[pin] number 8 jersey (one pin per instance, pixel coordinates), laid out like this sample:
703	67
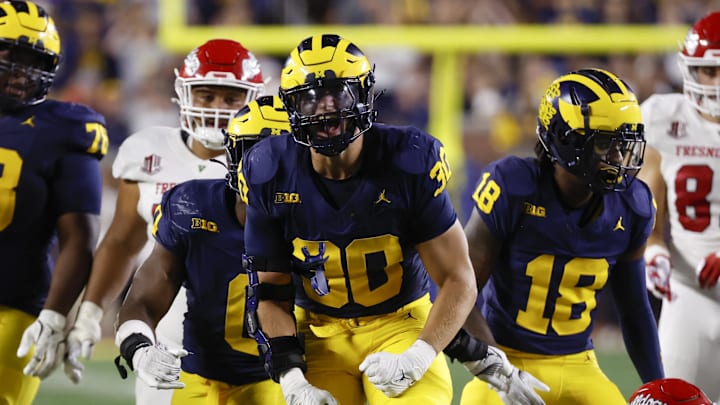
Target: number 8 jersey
690	150
49	166
544	287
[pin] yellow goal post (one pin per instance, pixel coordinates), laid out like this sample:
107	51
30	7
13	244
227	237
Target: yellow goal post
446	44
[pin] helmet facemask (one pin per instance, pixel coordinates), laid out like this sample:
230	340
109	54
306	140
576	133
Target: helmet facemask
218	67
206	124
328	114
705	98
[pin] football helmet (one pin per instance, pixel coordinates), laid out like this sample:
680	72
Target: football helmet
29	54
669	391
589	122
701	48
259	119
327	88
218	62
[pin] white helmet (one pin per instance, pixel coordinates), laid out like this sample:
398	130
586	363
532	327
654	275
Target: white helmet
218	62
702	48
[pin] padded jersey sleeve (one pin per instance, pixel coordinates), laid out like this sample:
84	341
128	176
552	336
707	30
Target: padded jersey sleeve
425	160
77	179
263	230
499	191
168	229
641	202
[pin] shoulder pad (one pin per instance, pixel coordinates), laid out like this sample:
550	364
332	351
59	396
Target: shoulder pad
263	160
412	149
74	111
639	198
129	160
517	176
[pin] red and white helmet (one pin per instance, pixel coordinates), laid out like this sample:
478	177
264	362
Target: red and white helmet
702	48
218	62
669	391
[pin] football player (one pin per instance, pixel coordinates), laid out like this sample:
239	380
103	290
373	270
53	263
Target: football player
669	391
198	232
680	168
50	191
351	224
216	79
547	234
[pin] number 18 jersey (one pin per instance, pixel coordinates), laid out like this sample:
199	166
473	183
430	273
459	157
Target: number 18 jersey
544	288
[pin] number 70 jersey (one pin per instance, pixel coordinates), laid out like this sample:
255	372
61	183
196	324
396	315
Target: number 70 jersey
689	147
544	288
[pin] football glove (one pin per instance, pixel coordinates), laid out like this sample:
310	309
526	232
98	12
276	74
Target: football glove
154	364
298	391
394	373
83	336
514	386
657	272
708	270
47	334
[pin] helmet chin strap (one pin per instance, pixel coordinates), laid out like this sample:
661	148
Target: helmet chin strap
211	138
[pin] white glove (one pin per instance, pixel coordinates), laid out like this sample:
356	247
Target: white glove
514	386
657	272
394	373
155	365
47	334
83	336
298	391
159	367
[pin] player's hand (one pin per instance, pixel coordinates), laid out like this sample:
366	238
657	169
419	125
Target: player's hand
708	271
47	334
158	366
298	391
83	336
657	272
394	373
514	386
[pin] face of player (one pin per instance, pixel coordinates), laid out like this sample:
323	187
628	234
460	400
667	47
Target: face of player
709	76
217	98
327	106
20	72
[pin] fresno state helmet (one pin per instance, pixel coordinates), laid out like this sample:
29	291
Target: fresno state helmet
701	48
321	68
669	391
218	62
29	54
589	122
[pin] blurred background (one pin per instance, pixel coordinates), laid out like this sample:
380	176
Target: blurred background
471	72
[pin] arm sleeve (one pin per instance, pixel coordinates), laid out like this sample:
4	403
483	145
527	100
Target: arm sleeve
434	212
636	318
166	231
77	185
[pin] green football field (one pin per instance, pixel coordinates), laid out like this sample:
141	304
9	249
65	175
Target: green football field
102	384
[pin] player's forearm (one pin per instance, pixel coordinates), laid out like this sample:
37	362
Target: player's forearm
112	268
276	319
78	236
451	308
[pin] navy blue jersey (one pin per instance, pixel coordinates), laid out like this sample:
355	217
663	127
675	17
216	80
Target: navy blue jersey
197	223
49	166
544	288
397	200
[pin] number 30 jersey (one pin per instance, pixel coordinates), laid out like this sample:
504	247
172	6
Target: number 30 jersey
543	291
369	224
197	223
690	150
49	166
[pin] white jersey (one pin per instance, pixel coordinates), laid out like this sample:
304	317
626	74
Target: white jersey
157	158
690	149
